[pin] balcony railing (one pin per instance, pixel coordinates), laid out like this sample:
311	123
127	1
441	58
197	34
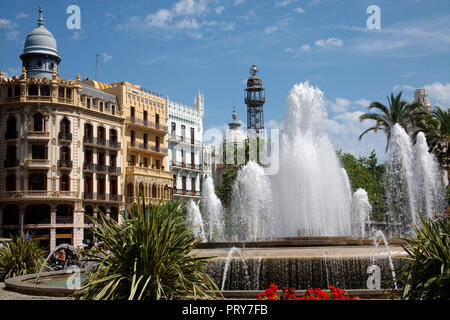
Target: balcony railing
89	166
65	164
147	123
102	196
38	134
65	136
102	142
185	165
145	146
175	138
64	220
188	193
114	170
11	135
20	194
11	163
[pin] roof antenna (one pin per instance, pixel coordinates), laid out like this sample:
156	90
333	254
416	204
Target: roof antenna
96	66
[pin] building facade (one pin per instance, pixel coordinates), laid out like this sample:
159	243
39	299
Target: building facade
189	158
53	170
145	142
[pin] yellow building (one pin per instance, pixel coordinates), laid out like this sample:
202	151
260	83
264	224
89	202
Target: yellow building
145	141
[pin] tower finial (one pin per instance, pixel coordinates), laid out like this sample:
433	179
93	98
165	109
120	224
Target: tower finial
254	69
234	116
41	20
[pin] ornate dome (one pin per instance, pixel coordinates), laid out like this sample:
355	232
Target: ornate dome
235	135
40	41
254	80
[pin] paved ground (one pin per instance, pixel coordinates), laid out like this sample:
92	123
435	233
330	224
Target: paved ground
10	295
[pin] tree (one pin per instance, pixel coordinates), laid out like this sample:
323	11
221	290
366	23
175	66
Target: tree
365	173
399	111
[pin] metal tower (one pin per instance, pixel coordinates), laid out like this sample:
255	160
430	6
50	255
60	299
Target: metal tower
254	99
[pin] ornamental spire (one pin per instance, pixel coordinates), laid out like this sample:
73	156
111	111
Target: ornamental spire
41	20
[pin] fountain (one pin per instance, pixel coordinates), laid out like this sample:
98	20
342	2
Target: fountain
310	172
413	182
252	204
214	211
195	219
360	213
380	235
61	246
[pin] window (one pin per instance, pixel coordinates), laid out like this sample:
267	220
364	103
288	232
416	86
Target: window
192	135
154	191
11	127
88	103
113	186
158	164
133	160
45	91
101	185
64	125
183	183
174	129
183	132
101	106
88	131
145	162
145	140
113	135
39	152
17	91
61	92
112	160
193	184
132	112
10	91
132	137
65	153
39	64
130	191
33	90
65	183
11	182
88	185
157	120
11	152
38	122
145	115
88	156
101	133
37	182
69	93
101	158
157	143
192	158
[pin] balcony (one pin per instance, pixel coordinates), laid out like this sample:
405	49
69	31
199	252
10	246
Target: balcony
38	164
11	135
100	142
64	219
65	164
147	124
88	166
183	165
144	171
65	136
38	194
101	168
186	193
182	139
147	147
37	135
102	196
114	170
11	163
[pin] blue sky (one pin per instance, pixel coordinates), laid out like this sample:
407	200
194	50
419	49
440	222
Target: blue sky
179	47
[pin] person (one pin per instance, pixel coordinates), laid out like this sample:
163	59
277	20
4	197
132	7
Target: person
62	258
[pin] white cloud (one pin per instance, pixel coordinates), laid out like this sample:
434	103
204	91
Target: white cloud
161	18
330	42
363	103
283	3
13	35
4	23
106	57
281	24
299	10
220	9
439	92
238	2
403	87
187	23
340	105
22	15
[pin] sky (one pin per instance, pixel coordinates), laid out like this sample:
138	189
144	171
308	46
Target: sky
179	47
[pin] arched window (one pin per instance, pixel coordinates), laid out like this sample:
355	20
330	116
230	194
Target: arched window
141	189
65	183
154	191
37	181
130	191
65	153
64	125
38	122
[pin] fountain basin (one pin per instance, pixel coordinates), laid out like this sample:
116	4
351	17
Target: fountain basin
314	266
50	284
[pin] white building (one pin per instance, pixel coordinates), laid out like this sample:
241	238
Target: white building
188	158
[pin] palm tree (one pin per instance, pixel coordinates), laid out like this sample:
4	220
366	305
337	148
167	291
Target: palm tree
436	128
399	111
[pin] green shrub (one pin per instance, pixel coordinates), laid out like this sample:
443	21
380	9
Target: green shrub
426	276
147	257
20	256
